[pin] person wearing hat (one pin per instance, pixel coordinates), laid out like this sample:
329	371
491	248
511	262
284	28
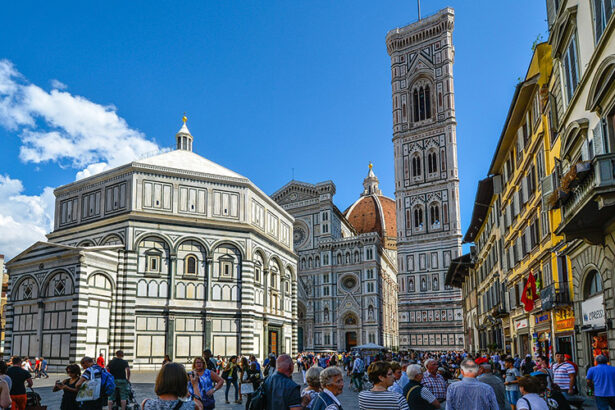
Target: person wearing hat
601	378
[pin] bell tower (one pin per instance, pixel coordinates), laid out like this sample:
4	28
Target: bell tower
426	181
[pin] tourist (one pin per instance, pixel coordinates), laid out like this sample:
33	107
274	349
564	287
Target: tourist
5	397
210	362
485	375
26	365
269	365
418	396
396	386
542	366
171	387
551	395
3	376
230	375
601	379
380	375
530	390
205	382
527	366
434	381
120	370
18	376
44	367
308	394
167	359
37	367
90	372
245	386
69	389
281	391
253	360
254	378
100	361
403	380
358	369
332	383
563	375
469	393
302	367
511	382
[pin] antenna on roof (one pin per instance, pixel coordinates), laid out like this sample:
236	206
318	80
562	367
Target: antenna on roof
419	5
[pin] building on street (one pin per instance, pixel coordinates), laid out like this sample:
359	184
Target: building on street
170	254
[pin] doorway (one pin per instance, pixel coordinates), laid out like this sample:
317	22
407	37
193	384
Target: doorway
351	340
273	337
300	339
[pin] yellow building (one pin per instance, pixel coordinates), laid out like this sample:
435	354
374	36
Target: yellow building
523	166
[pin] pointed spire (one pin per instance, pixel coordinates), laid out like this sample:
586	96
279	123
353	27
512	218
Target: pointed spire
370	183
183	136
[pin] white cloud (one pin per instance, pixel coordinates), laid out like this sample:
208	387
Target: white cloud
24	219
61	127
57	84
55	126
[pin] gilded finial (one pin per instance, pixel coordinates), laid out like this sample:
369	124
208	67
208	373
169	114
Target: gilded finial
371	165
184	118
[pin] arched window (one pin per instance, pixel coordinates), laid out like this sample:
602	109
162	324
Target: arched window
593	284
310	262
421	102
190	263
415	104
434	214
416	165
418	218
432	162
427	103
408	219
445	213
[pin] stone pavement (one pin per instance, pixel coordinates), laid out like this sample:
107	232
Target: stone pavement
143	384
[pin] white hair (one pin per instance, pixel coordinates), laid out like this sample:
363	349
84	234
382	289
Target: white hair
327	375
469	366
428	362
413	371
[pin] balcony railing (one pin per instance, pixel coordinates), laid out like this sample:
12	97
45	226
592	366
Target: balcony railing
589	200
554	295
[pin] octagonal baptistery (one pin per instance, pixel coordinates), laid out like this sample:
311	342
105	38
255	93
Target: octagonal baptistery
170	254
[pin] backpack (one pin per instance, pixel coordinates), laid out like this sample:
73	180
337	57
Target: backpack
259	399
108	383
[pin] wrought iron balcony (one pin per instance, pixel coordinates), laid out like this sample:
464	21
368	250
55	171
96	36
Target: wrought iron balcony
556	294
590	203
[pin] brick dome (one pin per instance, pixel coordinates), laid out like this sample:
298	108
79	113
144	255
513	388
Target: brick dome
373	212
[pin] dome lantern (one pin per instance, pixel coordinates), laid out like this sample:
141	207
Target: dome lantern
370	183
183	137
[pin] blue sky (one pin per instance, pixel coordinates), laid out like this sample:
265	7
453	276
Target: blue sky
267	87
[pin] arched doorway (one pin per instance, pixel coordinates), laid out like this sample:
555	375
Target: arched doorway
351	324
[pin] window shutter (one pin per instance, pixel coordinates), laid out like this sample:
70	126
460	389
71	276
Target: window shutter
598	146
524	189
520	139
528	242
516	203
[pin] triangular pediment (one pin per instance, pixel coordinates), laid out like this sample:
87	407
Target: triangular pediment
420	63
295	191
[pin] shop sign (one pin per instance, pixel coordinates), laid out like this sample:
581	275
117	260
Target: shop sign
593	312
521	324
564	320
541	318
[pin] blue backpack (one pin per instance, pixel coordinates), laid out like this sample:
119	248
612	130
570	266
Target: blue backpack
107	382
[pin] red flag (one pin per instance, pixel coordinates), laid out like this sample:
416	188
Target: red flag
529	293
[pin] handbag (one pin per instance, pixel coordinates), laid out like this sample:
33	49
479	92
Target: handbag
90	389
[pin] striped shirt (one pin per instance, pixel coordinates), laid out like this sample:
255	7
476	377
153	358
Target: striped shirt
561	375
382	400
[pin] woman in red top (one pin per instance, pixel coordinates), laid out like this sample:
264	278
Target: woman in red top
101	361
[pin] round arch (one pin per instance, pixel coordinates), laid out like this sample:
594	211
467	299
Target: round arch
20	281
112	236
592	282
51	275
227	242
103	273
168	241
263	255
183	239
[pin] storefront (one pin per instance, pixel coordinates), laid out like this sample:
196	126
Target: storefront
564	331
541	337
522	331
594	327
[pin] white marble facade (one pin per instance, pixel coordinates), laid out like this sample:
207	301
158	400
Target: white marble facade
166	255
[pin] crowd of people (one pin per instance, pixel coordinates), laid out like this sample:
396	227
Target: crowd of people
392	381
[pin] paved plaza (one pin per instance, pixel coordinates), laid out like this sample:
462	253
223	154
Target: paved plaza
143	384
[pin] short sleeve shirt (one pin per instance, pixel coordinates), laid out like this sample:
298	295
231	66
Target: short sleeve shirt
603	377
19	377
117	367
511	376
282	392
561	375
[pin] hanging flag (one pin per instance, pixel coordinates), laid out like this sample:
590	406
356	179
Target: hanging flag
529	293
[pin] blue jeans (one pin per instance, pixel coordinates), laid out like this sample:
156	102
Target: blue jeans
605	403
228	387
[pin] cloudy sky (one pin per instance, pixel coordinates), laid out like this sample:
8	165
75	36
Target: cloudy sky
271	89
